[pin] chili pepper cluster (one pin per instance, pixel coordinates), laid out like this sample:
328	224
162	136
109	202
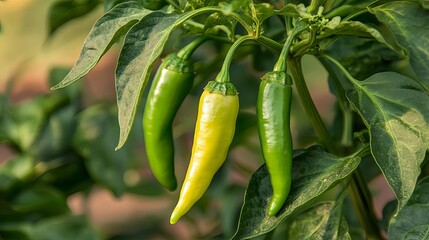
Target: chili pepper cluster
215	127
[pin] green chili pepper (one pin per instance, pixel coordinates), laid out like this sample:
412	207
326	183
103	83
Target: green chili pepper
214	131
273	111
172	82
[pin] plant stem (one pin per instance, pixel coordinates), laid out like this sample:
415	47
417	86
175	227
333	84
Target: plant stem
172	3
362	202
186	52
314	5
288	20
310	108
361	199
301	47
270	44
347	132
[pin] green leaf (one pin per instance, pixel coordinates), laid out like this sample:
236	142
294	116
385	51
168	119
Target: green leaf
217	22
406	19
54	138
41	199
424	4
396	112
341	11
66	227
291	10
412	221
197	3
344	8
142	47
14	171
362	58
236	6
22	124
314	171
109	4
95	140
263	11
243	8
358	29
16	231
105	32
66	173
148	4
322	221
62	12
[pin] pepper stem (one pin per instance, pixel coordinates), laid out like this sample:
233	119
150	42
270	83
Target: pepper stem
360	197
223	75
186	52
280	65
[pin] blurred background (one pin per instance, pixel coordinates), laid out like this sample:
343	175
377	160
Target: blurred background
126	204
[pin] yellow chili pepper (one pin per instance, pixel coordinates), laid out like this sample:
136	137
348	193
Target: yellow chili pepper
215	128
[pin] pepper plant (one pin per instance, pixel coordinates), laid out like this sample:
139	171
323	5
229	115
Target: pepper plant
375	53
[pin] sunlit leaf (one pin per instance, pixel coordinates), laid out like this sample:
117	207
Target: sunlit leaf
412	221
362	58
410	24
148	4
143	45
313	172
359	29
322	221
105	32
396	111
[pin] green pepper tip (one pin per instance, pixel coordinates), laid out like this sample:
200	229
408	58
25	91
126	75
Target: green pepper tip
171	185
274	207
